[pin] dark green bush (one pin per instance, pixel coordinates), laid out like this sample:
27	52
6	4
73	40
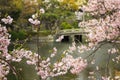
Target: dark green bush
20	35
75	24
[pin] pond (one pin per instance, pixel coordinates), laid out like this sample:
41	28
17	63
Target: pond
101	59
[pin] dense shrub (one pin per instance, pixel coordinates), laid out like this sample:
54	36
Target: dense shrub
20	35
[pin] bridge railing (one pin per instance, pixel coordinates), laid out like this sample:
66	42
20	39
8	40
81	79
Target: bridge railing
74	31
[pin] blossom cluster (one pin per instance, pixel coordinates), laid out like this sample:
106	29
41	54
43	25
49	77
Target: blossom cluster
99	30
76	64
112	51
7	20
4	70
44	68
102	6
47	69
4	43
104	26
34	19
72	48
4	40
54	52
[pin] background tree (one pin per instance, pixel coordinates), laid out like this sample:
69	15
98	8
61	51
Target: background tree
58	12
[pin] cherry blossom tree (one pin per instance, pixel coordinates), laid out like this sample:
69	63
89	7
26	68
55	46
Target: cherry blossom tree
105	22
103	27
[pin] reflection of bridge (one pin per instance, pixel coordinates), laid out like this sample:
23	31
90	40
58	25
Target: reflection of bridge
72	34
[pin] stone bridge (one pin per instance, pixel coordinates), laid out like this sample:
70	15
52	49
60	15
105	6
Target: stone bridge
72	34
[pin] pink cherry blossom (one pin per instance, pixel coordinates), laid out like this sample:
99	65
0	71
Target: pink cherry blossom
7	20
4	69
34	21
103	26
78	65
73	47
4	40
54	52
42	11
112	50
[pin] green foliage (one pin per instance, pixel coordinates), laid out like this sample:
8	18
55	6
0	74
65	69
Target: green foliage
20	35
75	24
18	4
65	25
51	17
55	15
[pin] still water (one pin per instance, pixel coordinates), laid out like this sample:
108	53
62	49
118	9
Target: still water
101	57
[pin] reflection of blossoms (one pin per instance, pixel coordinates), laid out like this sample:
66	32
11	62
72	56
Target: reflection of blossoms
7	20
